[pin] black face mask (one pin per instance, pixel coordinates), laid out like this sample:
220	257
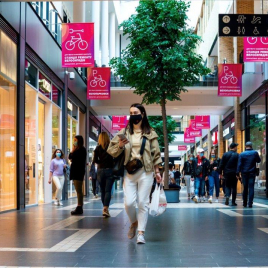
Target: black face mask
135	119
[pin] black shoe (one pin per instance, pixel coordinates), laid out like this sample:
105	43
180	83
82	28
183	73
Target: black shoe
250	206
234	204
227	201
77	211
244	205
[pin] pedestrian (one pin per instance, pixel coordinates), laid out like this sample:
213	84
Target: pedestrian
177	176
137	186
78	157
227	171
247	166
105	171
93	177
56	174
202	172
188	172
214	180
171	179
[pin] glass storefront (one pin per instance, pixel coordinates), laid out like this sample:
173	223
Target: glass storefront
8	91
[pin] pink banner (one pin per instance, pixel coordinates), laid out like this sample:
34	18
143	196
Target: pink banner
202	122
187	138
98	83
119	122
182	148
77	45
230	80
255	49
192	124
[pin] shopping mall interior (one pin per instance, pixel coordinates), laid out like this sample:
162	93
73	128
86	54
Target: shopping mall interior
46	101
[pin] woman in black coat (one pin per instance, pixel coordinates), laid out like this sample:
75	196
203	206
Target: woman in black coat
77	172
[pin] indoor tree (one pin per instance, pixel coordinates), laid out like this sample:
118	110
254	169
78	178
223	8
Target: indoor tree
160	60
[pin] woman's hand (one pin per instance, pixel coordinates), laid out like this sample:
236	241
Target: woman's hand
123	142
158	177
49	181
65	166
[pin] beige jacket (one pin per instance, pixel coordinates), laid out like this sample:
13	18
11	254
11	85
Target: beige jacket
151	155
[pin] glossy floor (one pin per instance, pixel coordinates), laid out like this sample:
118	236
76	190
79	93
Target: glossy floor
186	235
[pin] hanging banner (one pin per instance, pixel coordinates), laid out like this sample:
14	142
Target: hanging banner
255	49
182	148
98	83
230	80
187	137
119	122
192	124
215	138
77	45
202	122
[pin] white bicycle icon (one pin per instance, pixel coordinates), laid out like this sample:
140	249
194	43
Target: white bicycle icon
253	40
97	80
82	44
228	76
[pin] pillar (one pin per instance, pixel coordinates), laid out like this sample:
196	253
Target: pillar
220	138
104	33
78	11
111	35
96	20
117	45
209	143
237	118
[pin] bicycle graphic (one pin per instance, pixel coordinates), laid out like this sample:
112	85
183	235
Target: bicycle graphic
97	80
82	44
228	76
253	40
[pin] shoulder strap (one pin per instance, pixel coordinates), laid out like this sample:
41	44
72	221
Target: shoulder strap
143	146
229	159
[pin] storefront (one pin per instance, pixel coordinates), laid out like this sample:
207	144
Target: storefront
8	126
214	148
205	146
228	131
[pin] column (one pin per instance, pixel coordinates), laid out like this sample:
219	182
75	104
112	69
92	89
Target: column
104	33
220	138
78	11
117	45
209	143
112	36
237	118
96	20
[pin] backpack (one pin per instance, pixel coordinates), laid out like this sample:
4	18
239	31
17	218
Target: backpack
188	167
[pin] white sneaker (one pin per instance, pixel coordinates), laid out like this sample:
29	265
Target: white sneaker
140	239
217	200
210	200
196	199
56	203
96	196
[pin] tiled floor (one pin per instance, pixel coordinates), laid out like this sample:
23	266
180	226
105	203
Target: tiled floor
186	235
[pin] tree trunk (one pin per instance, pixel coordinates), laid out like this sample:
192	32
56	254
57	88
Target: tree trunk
166	152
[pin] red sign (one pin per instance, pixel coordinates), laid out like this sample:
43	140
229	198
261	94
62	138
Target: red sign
202	122
119	122
230	80
187	137
215	138
255	49
77	45
98	83
182	148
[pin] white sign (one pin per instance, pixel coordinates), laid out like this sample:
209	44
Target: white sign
45	85
95	131
226	132
70	106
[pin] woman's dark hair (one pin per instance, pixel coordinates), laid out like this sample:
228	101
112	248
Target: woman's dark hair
145	126
54	154
80	141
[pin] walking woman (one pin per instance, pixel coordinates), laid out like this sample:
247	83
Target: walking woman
137	186
188	171
78	157
57	166
105	171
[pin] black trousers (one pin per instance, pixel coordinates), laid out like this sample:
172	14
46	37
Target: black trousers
95	187
231	186
106	181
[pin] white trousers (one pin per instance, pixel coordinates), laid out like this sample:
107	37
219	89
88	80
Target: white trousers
59	182
189	184
137	188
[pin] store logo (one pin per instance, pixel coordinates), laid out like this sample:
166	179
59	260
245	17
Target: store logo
45	85
69	106
226	132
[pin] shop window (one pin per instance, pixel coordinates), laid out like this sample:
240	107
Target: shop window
30	74
56	95
44	86
55	128
72	110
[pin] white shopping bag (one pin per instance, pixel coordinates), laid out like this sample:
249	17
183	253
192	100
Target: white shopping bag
158	204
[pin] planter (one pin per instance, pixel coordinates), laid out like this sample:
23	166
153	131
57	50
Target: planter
172	195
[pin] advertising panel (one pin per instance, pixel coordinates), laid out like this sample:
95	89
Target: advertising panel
255	49
98	83
230	80
182	148
119	122
77	45
187	137
202	122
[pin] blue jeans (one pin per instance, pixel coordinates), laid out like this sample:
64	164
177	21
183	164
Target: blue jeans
200	184
214	181
248	183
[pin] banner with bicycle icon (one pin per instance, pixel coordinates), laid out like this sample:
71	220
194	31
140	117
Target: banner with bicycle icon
98	83
230	80
77	45
255	49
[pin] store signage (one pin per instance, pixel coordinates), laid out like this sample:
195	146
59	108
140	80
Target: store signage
77	45
98	83
119	122
188	138
95	131
182	148
255	49
230	80
69	105
215	138
233	125
243	25
226	132
205	144
44	85
202	122
192	124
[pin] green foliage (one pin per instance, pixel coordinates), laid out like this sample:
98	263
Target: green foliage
257	128
157	124
160	60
